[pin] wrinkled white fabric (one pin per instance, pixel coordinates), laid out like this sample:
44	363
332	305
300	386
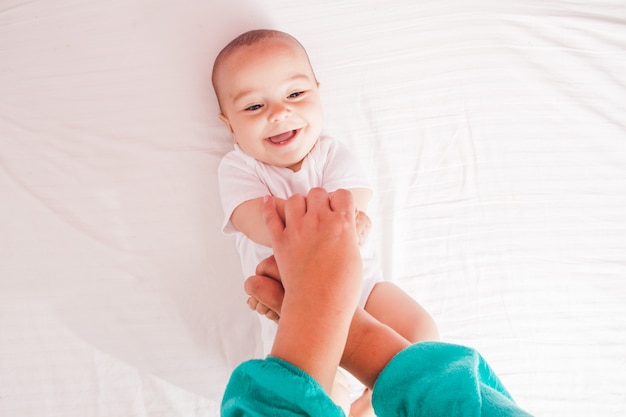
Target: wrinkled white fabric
493	133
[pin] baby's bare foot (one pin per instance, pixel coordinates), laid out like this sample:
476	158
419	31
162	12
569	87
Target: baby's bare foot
362	406
340	393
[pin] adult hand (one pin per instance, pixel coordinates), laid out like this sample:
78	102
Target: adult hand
315	249
265	289
317	238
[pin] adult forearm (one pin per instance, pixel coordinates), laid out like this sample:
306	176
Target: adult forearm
316	347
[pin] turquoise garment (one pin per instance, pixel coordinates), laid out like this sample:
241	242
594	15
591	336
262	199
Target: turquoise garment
426	379
273	387
439	379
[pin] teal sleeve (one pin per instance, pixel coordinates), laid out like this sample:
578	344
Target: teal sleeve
273	387
439	379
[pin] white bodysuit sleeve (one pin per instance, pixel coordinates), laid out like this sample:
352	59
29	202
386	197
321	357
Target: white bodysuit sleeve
342	169
238	183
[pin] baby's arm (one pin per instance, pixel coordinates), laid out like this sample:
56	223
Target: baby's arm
363	226
248	219
361	197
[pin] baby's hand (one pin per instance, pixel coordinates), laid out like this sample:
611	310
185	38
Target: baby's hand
262	309
363	226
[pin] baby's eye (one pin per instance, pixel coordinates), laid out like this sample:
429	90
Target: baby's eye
254	107
296	94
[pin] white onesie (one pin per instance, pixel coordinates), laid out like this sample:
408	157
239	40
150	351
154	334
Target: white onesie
329	165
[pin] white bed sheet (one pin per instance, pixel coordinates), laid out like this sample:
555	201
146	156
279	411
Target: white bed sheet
494	134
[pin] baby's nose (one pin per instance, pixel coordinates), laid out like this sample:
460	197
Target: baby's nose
279	112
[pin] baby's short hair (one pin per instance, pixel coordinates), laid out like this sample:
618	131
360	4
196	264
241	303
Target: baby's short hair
249	38
254	36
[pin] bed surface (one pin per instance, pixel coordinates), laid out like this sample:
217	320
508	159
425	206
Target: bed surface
494	134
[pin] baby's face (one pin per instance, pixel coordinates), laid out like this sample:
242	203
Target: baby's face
270	102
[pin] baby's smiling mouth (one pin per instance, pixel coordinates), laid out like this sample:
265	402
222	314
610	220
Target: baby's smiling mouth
283	138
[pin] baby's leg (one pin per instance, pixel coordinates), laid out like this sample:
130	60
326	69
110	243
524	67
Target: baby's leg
362	406
392	306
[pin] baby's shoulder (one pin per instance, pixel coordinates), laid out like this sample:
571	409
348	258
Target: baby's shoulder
325	145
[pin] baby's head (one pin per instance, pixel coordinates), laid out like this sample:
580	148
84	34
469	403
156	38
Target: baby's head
269	97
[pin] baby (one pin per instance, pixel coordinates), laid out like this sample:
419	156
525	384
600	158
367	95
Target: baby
269	99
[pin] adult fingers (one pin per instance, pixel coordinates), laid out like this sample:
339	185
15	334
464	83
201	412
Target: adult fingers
262	309
271	218
269	268
342	201
267	291
272	315
317	200
252	303
295	208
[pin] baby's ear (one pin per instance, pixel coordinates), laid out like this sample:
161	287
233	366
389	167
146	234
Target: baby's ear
227	123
